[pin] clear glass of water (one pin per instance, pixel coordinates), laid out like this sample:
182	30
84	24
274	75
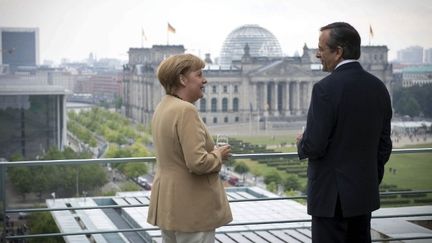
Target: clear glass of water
221	140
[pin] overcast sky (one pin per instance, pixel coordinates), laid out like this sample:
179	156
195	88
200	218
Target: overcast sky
74	28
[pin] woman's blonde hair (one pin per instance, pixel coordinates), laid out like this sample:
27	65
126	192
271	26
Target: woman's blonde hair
170	69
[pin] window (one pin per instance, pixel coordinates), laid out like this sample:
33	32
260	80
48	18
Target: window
235	89
213	105
226	119
204	120
225	104
225	89
235	104
203	104
214	88
215	120
236	119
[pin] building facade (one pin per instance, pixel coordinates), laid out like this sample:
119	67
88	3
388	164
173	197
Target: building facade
428	56
32	119
19	47
411	55
416	75
251	89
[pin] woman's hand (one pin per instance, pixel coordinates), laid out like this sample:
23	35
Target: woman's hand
225	151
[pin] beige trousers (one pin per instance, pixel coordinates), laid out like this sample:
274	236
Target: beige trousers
183	237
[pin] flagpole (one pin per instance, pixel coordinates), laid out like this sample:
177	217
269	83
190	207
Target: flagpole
142	37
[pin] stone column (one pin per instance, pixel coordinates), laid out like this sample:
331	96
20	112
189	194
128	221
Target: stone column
275	99
296	98
287	99
265	97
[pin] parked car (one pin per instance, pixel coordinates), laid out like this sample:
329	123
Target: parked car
144	183
233	180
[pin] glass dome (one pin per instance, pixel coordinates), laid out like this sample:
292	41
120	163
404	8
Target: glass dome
261	42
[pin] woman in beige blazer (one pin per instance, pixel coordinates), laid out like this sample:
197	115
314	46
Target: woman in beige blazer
188	200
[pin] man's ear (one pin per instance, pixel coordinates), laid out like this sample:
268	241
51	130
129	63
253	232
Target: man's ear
339	52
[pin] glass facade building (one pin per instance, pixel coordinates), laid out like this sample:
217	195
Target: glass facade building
31	121
262	43
20	47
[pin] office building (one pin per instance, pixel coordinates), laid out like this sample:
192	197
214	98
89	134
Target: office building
19	47
32	119
410	55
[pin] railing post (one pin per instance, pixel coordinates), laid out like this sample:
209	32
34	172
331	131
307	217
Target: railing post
3	197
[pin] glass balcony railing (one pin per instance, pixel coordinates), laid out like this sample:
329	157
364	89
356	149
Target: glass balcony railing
253	222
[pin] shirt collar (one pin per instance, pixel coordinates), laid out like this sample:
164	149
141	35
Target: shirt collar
345	62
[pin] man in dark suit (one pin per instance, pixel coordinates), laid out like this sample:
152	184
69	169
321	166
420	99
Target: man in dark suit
347	140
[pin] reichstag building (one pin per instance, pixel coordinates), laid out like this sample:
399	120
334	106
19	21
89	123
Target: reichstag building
252	81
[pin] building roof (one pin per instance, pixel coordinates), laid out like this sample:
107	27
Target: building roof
418	69
254	221
26	89
262	43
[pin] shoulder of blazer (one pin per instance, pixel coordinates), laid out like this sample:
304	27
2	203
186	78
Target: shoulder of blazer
179	104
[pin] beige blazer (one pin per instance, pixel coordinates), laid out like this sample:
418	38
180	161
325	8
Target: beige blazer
187	193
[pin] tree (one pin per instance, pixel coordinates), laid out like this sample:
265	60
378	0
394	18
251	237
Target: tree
272	176
22	180
241	168
408	105
59	178
272	186
42	223
292	183
133	170
118	102
413	101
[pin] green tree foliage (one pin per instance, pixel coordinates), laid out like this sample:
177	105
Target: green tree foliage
42	223
413	101
408	105
135	150
292	183
273	176
272	186
241	168
133	170
58	178
118	102
22	180
129	186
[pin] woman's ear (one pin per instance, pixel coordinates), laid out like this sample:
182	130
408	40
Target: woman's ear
182	80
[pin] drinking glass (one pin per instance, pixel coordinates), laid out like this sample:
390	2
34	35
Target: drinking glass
221	140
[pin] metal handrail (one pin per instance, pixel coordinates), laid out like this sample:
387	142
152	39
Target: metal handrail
30	210
153	159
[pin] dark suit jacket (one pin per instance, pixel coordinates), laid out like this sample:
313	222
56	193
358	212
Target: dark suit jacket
347	141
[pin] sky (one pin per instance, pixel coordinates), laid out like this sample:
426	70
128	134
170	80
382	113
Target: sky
73	29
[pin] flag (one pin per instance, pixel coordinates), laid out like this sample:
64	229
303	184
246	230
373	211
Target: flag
370	31
171	29
143	35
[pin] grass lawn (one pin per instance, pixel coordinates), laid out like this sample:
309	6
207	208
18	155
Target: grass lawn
413	171
268	139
